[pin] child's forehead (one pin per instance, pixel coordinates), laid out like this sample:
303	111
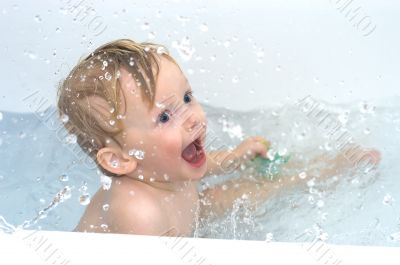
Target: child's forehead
171	83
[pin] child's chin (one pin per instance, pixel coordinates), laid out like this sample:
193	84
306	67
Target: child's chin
197	176
199	172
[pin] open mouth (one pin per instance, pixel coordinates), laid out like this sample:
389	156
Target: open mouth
194	153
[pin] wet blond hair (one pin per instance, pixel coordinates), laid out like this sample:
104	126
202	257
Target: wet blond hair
97	77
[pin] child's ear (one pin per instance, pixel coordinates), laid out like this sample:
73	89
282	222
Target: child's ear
115	161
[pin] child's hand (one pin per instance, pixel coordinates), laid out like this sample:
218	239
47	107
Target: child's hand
251	147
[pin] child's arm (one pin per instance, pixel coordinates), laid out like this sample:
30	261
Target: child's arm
224	162
217	200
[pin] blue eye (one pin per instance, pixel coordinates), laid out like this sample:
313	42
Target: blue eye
187	98
164	117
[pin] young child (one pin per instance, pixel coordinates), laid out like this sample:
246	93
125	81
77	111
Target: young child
133	112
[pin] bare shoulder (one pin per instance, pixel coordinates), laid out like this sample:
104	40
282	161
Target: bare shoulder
135	210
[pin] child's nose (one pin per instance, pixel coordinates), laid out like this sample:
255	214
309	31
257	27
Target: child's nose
191	122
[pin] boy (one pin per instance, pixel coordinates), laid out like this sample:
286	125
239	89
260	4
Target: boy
134	113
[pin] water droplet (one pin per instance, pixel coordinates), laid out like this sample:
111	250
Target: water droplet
183	19
367	131
141	177
311	199
184	48
269	237
118	74
152	179
71	139
161	50
203	27
105	64
104	227
1	116
139	154
151	35
311	183
395	237
108	76
64	178
235	79
227	44
344	117
66	193
327	146
274	113
31	55
388	200
106	207
83	187
145	26
114	163
106	182
323	236
366	108
38	18
22	135
316	80
64	118
120	117
84	199
58	30
166	177
320	204
112	122
278	68
301	136
224	187
260	55
303	175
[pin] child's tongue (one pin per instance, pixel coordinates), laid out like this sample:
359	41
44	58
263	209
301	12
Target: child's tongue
189	154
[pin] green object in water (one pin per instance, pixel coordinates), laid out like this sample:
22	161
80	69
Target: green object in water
270	168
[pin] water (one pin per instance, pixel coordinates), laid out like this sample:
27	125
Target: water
362	210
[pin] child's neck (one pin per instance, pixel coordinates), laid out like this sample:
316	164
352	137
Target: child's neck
172	186
166	185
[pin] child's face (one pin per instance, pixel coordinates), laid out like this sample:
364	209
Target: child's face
167	132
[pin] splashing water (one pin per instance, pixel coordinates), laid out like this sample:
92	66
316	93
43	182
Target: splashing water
344	209
139	154
61	196
6	227
184	48
343	206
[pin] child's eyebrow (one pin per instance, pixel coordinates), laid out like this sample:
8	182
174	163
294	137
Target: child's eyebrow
170	101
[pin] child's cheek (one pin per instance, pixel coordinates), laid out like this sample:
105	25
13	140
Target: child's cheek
169	144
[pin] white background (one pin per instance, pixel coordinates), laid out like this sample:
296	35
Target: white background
277	50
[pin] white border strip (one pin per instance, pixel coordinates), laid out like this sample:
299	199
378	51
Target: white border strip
47	247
